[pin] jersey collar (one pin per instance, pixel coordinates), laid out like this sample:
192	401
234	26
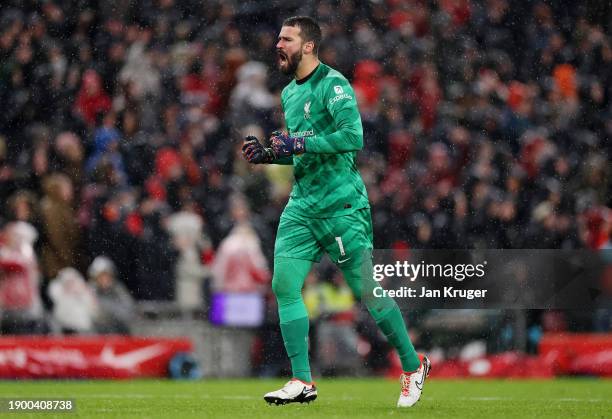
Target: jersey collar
308	77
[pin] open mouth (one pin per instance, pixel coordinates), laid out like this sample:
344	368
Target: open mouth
282	57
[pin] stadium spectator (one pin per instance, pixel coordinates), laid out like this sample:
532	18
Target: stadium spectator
60	230
251	102
75	307
91	100
115	305
69	157
239	264
154	274
106	149
187	235
20	303
23	206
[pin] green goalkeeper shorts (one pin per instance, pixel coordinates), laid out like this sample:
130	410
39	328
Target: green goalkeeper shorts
342	237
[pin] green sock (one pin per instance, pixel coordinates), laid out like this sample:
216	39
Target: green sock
384	310
289	275
393	326
295	337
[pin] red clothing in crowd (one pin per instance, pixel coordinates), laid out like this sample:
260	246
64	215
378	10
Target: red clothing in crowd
91	99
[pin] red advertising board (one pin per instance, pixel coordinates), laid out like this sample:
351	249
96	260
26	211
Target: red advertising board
579	353
88	357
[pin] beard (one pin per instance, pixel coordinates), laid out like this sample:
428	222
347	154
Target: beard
288	64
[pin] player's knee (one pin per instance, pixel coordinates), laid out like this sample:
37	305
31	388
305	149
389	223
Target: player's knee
276	286
281	287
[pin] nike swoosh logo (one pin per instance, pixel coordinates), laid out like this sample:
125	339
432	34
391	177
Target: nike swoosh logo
419	384
131	359
307	391
343	260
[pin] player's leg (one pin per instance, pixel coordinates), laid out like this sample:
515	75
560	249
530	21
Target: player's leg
348	241
294	252
390	321
384	310
287	283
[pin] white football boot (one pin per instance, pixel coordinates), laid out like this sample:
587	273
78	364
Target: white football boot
412	383
295	391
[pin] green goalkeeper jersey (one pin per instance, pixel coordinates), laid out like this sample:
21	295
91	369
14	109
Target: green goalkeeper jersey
323	109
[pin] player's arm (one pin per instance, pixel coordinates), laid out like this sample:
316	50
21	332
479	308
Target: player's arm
341	103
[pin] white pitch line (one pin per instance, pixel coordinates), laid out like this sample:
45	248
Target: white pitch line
485	399
514	399
572	399
157	396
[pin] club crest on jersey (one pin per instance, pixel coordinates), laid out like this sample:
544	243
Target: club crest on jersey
307	110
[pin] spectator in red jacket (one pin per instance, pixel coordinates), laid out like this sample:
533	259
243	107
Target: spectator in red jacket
20	303
91	100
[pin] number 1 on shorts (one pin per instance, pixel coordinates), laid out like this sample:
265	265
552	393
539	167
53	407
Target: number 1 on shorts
341	246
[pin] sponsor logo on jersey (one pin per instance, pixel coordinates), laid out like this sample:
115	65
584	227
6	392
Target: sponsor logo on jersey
307	110
308	133
338	90
340	97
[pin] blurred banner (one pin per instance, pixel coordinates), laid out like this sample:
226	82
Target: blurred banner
560	354
88	357
492	279
578	353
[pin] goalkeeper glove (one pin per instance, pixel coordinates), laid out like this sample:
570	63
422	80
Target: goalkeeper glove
254	152
284	146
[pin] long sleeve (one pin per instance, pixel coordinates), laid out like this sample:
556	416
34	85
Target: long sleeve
342	105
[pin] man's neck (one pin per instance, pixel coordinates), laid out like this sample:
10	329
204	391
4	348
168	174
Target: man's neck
306	67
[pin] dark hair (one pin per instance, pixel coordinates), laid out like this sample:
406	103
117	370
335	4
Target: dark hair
309	29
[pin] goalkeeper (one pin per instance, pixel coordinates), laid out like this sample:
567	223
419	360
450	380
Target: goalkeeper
328	209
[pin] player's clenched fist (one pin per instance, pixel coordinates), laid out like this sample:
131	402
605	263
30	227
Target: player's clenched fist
284	146
254	152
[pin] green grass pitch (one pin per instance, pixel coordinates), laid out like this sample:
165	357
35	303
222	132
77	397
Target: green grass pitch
338	398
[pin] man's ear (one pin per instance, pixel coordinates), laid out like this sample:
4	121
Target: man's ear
308	47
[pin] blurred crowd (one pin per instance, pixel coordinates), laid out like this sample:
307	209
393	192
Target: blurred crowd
487	124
